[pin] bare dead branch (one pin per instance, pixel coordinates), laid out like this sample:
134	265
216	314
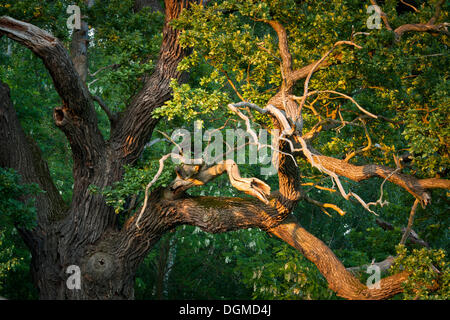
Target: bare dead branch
287	129
303	98
201	176
409	5
275	112
150	184
417	187
189	176
380	200
317	163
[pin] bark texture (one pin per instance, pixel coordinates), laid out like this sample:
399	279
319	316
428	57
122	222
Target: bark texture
86	232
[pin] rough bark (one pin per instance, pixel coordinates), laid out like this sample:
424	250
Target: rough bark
339	278
79	46
430	26
136	124
86	233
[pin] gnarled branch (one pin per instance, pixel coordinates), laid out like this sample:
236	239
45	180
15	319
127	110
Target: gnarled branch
430	26
76	117
338	277
222	214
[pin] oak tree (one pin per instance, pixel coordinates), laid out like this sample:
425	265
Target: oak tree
261	74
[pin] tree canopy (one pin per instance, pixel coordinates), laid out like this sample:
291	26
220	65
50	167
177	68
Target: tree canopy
361	173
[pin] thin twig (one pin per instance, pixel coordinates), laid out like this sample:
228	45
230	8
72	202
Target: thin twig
410	222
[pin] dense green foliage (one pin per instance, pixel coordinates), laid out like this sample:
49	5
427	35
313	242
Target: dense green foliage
16	210
235	55
419	262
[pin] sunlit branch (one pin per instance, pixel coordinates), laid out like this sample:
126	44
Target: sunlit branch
287	130
315	185
409	5
430	26
340	94
305	92
380	200
364	149
323	206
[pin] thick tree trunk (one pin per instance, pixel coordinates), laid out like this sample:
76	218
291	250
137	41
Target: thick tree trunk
102	275
58	241
85	235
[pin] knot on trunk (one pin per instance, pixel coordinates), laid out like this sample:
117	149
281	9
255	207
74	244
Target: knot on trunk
101	266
